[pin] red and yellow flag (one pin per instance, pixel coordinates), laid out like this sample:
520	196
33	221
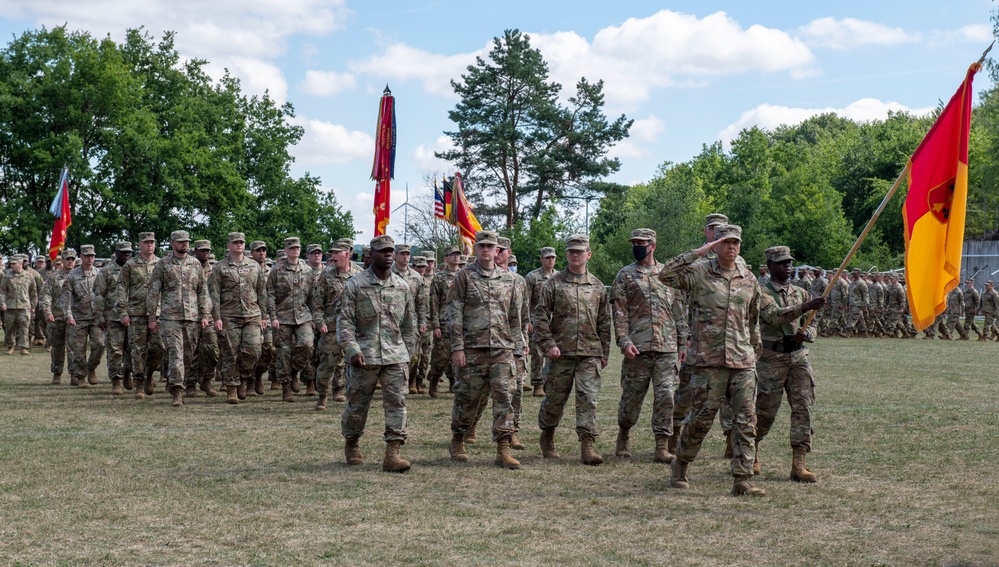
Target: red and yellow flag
465	219
934	210
383	167
63	216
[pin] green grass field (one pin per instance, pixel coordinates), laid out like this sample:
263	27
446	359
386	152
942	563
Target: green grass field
905	449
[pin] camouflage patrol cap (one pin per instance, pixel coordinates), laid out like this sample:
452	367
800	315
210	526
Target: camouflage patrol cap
342	245
69	253
452	250
463	259
87	250
257	245
762	267
202	244
430	255
292	241
211	257
547	252
988	282
270	263
313	248
419	262
577	242
512	261
236	237
365	250
728	231
969	280
487	237
123	246
57	263
503	243
778	254
643	234
180	236
402	248
281	254
147	236
382	242
855	271
715	219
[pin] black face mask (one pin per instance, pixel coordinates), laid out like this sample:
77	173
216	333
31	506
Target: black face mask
639	252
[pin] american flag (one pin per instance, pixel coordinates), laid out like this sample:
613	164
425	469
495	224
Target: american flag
440	211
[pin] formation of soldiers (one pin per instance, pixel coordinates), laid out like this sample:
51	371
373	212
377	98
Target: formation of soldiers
701	332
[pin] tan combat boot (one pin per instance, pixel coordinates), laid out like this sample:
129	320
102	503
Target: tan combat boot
352	452
91	376
310	388
728	444
419	386
82	383
127	382
799	472
140	393
503	457
287	392
623	441
587	455
230	395
338	395
57	378
539	391
433	392
191	391
515	442
742	487
321	403
412	386
470	436
10	351
206	387
241	390
457	448
678	474
663	455
757	469
674	439
296	385
393	461
547	441
275	385
178	397
258	385
116	389
27	352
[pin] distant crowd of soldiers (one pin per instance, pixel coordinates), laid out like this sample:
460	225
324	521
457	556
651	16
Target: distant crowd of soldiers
701	332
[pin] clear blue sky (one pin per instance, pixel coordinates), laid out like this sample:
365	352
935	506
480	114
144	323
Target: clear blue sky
689	73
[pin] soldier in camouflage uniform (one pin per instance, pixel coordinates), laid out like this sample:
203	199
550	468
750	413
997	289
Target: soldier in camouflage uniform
426	340
236	287
17	296
817	289
990	309
258	252
329	287
38	324
376	328
51	302
972	305
82	318
572	323
421	296
146	345
536	280
725	300
107	294
179	309
441	357
34	333
877	296
955	309
205	363
783	366
419	370
314	253
292	309
858	301
650	322
764	276
895	305
486	334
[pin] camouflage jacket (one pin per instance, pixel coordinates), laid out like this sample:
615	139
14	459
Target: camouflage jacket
839	297
78	295
178	290
895	299
525	307
536	280
442	282
291	293
420	291
19	291
39	284
108	292
135	277
955	302
329	288
781	315
858	295
877	295
972	302
817	288
647	313
725	310
573	313
484	310
236	289
376	319
990	303
50	298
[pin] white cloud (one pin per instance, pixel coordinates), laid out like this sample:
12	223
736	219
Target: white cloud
665	49
847	33
643	132
256	76
325	143
976	33
360	205
770	116
327	83
423	155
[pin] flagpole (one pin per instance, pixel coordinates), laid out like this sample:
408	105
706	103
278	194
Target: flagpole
860	239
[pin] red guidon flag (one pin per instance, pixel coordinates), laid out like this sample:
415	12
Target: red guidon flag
383	168
934	210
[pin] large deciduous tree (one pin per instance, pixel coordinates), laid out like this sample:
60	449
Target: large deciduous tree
516	142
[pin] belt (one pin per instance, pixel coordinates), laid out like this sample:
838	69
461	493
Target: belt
788	345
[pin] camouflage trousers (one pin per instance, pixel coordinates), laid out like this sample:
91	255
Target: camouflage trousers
180	342
563	373
989	328
486	372
361	382
954	323
119	357
841	317
656	369
427	349
538	365
15	324
312	367
710	387
38	326
206	358
58	333
331	365
969	324
147	347
777	373
517	403
857	321
683	402
414	360
894	323
267	354
82	335
440	362
239	346
294	349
